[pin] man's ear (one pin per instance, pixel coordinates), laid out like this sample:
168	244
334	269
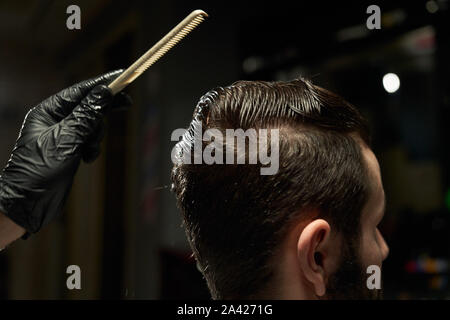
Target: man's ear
312	252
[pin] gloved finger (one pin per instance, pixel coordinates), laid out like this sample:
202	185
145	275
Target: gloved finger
91	149
79	126
121	101
61	104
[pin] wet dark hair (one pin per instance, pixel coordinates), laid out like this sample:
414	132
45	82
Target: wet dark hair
235	218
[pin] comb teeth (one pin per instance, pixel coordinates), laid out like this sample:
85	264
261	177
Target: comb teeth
158	50
169	45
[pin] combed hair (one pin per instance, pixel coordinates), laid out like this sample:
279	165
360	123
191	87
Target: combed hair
235	218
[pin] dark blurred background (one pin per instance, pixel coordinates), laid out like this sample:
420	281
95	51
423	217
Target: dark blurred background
121	225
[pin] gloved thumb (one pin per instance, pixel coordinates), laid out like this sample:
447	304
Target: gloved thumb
83	122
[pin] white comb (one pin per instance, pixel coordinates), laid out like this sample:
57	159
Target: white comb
158	50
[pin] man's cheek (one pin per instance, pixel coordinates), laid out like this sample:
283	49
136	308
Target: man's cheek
370	253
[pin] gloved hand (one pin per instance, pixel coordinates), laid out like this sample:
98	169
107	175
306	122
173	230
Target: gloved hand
55	136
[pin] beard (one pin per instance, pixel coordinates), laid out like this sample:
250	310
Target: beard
349	281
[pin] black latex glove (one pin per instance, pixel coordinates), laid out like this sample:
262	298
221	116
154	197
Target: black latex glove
55	136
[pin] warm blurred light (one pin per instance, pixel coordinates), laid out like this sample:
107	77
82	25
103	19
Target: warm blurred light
393	18
352	33
391	82
432	6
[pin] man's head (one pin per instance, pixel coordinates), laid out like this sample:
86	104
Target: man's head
307	231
